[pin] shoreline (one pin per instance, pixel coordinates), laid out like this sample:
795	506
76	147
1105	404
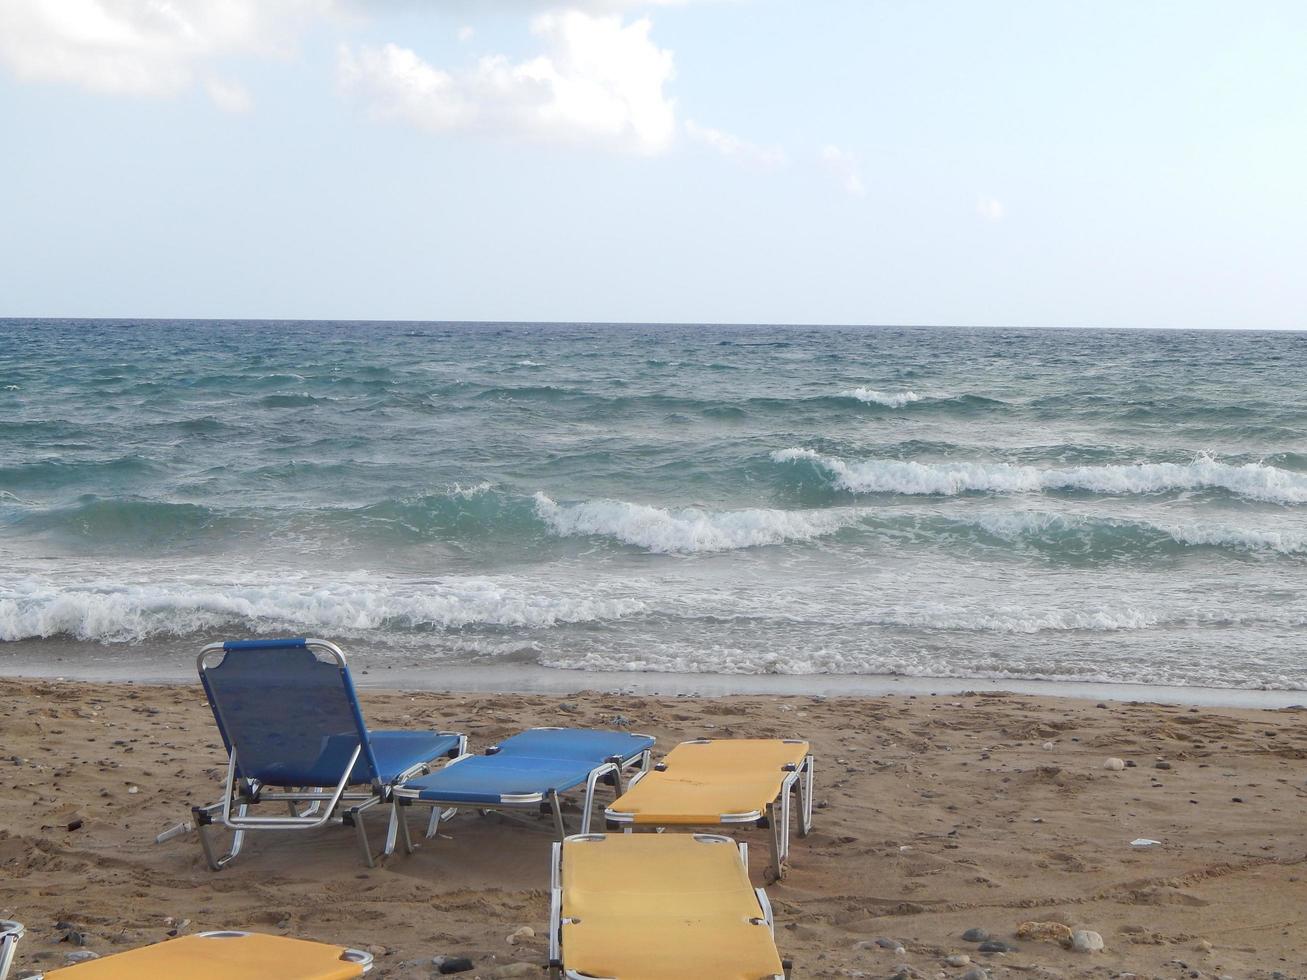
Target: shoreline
529	678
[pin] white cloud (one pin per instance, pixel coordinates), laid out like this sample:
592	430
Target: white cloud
144	47
844	167
990	208
466	32
729	145
600	81
230	97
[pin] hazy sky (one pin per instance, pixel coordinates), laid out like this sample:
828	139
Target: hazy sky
1027	162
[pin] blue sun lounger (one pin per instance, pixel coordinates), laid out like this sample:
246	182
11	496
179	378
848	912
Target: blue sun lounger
295	736
528	771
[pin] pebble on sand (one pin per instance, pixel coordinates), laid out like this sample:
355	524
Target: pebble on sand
975	936
1114	764
519	934
452	964
1086	941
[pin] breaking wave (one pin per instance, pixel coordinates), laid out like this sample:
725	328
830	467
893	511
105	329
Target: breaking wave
1254	481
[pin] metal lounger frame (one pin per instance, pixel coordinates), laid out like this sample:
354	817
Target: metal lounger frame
341	805
358	956
558	970
442	809
798	779
10	933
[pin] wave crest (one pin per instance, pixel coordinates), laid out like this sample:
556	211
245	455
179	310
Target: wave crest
1255	481
107	612
893	399
688	529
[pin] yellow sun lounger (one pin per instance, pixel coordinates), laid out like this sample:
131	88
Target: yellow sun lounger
724	781
658	907
223	956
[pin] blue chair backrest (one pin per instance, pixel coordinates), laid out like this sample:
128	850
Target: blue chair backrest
291	718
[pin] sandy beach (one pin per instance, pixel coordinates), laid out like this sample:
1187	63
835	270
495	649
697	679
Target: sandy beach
937	814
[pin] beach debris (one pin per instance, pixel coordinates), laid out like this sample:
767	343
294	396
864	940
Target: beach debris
1086	941
571	707
1048	746
1113	764
451	964
133	790
185	827
76	823
519	934
620	721
1053	932
1144	842
975	936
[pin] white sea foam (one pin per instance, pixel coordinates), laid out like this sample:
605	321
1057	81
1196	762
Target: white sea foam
1013	525
890	399
1256	481
688	529
106	612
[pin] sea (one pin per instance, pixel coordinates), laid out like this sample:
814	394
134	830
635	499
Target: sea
1074	505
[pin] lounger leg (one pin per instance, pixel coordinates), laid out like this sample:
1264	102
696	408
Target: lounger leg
354	816
785	826
392	829
203	827
433	822
405	838
774	839
556	805
8	943
805	798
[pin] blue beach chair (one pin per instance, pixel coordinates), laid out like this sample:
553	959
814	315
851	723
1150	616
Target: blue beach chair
528	771
295	736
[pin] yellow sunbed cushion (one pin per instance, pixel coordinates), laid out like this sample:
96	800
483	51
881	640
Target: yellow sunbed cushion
707	780
654	906
250	956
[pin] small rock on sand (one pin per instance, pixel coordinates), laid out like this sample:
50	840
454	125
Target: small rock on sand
520	934
996	946
1086	941
1114	764
975	936
452	964
976	973
517	970
957	959
1053	932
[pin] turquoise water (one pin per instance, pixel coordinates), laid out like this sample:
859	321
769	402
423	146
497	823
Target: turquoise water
1125	506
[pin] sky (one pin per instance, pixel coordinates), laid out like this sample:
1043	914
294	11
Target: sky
1117	163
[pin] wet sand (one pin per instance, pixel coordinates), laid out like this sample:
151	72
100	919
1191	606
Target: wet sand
937	814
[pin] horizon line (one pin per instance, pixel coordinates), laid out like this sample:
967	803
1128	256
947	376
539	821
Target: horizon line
648	323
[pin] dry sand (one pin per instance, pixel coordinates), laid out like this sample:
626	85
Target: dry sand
937	814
